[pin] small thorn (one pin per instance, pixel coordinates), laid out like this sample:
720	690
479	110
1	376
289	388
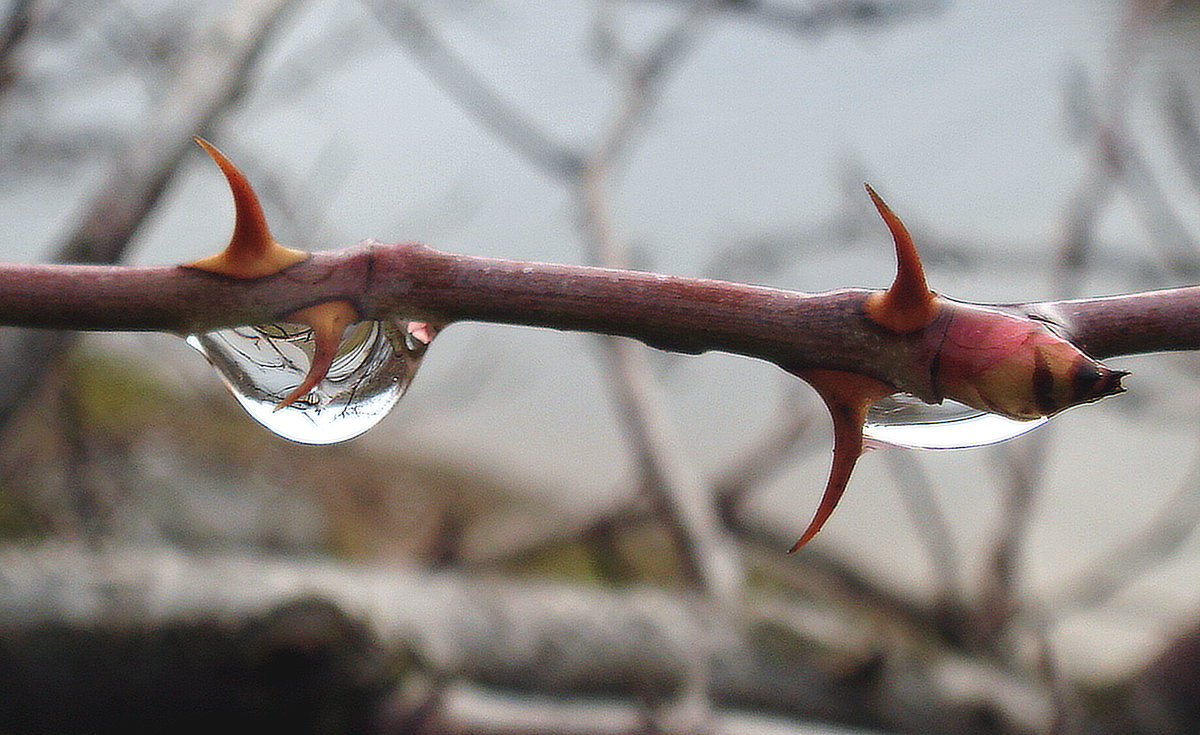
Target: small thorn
908	304
847	396
252	252
328	321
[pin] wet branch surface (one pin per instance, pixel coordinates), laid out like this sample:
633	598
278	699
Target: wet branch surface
688	315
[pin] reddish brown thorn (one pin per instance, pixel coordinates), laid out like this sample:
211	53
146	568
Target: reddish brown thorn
847	396
251	252
909	304
251	236
328	321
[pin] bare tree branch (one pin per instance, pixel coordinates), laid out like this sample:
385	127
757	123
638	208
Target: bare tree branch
999	600
930	523
471	710
1129	559
14	28
792	423
539	638
816	20
1184	127
1120	159
687	512
409	27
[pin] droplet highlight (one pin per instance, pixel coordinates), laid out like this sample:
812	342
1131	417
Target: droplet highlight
374	366
902	420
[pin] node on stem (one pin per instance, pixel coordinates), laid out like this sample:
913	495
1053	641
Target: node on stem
981	357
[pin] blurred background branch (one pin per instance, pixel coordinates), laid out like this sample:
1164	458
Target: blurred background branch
208	78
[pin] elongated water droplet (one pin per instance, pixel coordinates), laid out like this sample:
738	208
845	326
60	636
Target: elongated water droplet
262	364
901	420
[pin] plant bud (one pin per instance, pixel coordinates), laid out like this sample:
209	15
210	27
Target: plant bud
981	357
1014	367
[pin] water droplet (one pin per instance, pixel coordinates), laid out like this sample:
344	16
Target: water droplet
262	364
901	420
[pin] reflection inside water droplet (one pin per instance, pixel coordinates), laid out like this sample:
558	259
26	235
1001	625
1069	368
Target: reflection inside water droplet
901	420
262	364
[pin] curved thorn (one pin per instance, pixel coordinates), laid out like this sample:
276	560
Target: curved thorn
326	349
908	304
251	252
251	237
847	396
328	321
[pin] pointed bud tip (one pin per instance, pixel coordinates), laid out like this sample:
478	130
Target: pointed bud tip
1112	383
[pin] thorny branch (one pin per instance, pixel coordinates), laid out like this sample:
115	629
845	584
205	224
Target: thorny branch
689	315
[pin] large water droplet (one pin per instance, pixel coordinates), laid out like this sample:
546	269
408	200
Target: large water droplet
262	364
901	420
